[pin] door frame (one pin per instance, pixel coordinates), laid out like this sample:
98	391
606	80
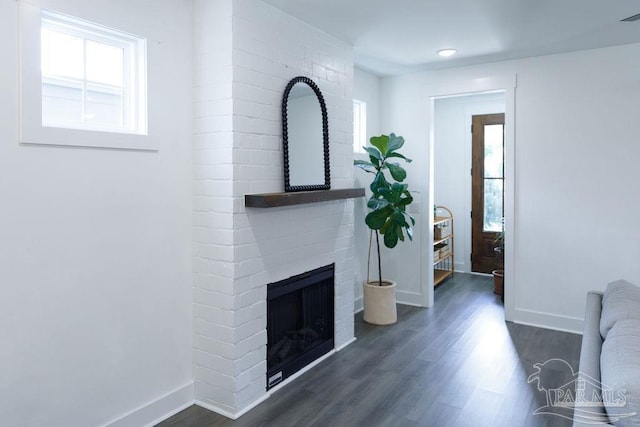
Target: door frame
448	87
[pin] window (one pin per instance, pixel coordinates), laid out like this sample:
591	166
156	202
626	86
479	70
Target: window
359	126
90	76
82	83
493	177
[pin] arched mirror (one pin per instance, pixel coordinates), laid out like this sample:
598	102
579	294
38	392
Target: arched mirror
305	137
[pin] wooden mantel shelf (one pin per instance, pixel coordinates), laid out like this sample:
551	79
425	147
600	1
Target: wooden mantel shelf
272	200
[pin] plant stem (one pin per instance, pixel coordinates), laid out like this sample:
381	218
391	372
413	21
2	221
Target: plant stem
369	257
379	263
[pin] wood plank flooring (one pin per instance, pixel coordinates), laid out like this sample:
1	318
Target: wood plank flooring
456	364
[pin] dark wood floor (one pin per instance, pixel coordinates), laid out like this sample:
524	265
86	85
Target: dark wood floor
456	364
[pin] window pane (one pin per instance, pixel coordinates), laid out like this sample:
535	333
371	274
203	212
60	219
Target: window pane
356	127
61	103
61	55
104	106
493	151
105	63
92	77
359	126
493	193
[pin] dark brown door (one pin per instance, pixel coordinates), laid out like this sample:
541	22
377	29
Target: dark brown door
487	189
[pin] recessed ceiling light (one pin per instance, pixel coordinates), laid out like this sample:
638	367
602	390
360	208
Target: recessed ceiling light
447	52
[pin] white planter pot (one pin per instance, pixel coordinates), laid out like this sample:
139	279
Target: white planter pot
380	302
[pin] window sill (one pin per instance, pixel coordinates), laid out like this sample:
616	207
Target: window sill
39	135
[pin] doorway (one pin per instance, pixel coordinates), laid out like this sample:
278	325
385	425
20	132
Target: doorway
453	156
487	190
447	87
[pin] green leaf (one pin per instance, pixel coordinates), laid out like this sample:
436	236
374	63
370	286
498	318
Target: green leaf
388	223
395	143
397	190
409	231
398	218
373	152
391	238
361	162
376	219
365	166
375	203
400	186
397	172
405	201
386	193
375	162
397	222
378	183
381	143
399	156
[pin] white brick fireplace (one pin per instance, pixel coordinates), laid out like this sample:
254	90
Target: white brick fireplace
245	53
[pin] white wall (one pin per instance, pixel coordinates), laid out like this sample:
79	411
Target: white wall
452	162
95	314
246	52
366	87
575	169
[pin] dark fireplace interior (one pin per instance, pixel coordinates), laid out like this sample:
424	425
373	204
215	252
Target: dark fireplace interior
299	322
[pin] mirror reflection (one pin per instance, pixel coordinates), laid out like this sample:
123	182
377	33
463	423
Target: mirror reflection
305	137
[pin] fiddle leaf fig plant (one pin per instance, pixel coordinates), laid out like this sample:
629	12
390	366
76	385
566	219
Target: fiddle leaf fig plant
389	195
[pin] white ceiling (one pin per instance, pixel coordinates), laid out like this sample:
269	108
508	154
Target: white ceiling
400	36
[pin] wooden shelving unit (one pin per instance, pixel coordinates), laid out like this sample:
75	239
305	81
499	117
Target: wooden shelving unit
442	245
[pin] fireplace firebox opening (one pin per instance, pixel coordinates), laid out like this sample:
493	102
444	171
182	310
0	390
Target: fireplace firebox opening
300	321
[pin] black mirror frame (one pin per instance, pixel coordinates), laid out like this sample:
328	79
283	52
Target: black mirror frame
325	138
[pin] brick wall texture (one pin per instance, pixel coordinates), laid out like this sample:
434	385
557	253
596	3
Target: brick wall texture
245	53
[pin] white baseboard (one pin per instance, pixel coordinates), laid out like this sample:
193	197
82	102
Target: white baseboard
158	410
233	415
402	297
219	410
475	273
411	304
238	414
343	346
548	321
301	372
408	298
358	305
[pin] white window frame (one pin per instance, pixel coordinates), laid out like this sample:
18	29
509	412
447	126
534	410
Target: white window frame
359	126
32	130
